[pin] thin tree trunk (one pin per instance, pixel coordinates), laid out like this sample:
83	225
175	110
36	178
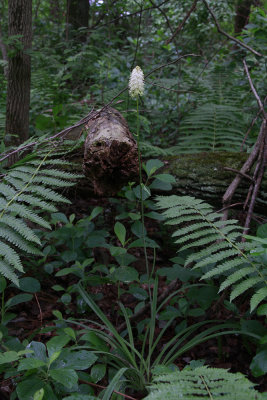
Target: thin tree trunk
242	13
77	17
3	51
19	72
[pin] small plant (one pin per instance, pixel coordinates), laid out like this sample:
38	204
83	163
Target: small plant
201	383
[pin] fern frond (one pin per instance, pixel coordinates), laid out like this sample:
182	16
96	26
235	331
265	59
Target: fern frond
259	296
25	191
10	256
26	213
19	226
11	236
202	383
223	251
8	272
36	202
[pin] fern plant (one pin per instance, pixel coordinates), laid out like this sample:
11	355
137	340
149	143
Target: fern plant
212	127
197	225
27	189
202	383
218	121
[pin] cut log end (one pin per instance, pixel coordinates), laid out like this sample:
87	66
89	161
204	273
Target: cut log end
110	154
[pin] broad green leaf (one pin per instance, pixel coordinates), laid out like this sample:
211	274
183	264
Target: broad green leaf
39	350
125	274
18	299
98	372
30	363
78	360
166	178
67	377
57	343
259	363
152	166
120	232
8	357
29	284
39	394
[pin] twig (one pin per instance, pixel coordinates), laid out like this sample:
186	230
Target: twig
169	89
249	129
219	29
182	23
96	26
239	172
230	206
40	310
104	387
260	172
261	107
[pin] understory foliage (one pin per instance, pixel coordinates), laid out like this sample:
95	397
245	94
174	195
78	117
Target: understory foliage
200	102
216	246
27	190
202	383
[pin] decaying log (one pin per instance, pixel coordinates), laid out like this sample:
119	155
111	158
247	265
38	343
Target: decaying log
208	175
110	153
110	162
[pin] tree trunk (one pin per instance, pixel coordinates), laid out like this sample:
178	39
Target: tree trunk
77	17
19	71
242	12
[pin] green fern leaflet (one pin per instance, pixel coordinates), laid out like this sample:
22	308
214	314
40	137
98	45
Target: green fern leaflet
202	383
197	225
26	191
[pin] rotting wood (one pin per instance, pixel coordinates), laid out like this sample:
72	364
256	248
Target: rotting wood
110	158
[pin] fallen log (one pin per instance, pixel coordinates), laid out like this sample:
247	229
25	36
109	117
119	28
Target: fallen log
208	175
110	157
109	161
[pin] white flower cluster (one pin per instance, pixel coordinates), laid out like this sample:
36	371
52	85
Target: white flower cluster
136	82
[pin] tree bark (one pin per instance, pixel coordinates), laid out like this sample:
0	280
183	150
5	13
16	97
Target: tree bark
242	12
77	17
19	71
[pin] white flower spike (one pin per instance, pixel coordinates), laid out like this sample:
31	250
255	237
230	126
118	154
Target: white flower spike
136	83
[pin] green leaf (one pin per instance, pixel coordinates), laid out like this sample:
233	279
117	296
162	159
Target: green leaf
137	229
30	363
113	384
28	387
29	284
39	350
117	251
39	394
2	284
125	274
259	363
120	232
67	377
139	293
98	372
166	178
57	343
146	193
8	357
78	360
18	299
152	166
96	211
